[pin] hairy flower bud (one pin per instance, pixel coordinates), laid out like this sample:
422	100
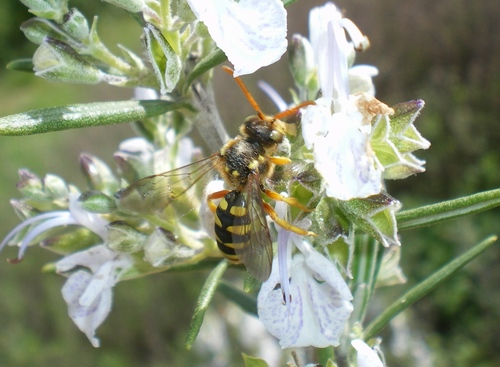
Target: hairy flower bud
97	202
57	61
301	57
54	9
76	25
124	238
99	175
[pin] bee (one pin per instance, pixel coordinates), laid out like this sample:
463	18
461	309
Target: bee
245	163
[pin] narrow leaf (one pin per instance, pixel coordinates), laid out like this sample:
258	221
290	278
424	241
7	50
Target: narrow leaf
21	65
447	210
210	61
244	300
206	295
366	264
83	115
425	287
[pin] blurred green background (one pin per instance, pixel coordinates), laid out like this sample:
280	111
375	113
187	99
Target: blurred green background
445	52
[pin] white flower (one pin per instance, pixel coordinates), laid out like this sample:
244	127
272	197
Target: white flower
305	301
338	127
366	356
319	305
75	215
88	294
252	33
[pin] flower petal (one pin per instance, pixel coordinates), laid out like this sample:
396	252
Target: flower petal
366	356
92	258
252	33
87	317
318	311
342	155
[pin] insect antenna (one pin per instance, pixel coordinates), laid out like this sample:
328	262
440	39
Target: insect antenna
292	110
246	92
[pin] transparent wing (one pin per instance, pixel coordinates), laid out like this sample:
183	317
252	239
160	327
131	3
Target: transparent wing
257	254
180	188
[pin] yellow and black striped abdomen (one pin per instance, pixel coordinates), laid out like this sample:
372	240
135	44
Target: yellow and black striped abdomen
232	225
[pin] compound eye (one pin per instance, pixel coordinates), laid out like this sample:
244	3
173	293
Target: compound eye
276	136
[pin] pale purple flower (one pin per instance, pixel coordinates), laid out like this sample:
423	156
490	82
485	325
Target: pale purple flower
319	304
337	128
305	301
88	293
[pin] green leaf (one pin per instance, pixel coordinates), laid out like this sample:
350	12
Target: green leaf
83	115
166	63
206	295
425	287
21	65
210	61
375	215
242	299
325	355
253	361
447	210
395	137
366	265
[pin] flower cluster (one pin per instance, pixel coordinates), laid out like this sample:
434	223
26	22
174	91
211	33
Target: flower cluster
348	145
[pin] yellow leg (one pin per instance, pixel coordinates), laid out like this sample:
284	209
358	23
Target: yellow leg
283	223
280	161
290	201
214	196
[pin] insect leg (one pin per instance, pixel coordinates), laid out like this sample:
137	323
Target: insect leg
283	223
290	201
214	196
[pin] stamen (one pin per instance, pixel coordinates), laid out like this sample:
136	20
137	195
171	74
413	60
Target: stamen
27	223
64	219
284	257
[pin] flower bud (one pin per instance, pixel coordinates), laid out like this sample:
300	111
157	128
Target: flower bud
54	9
72	241
57	61
162	249
22	209
124	238
302	64
97	202
76	25
166	63
36	29
55	187
28	181
99	175
135	159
